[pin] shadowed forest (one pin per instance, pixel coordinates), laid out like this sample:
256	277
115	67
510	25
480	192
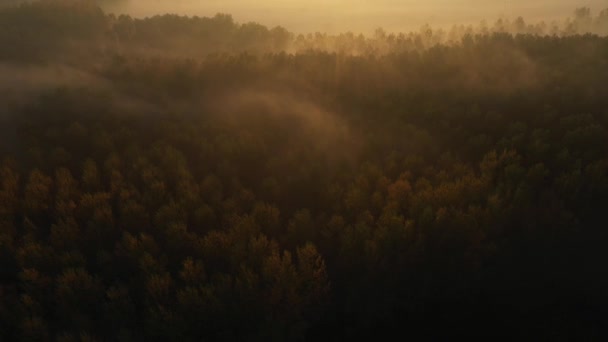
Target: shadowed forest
175	178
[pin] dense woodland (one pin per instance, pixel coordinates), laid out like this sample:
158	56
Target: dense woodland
188	179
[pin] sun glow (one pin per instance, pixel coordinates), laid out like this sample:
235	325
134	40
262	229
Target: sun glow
357	15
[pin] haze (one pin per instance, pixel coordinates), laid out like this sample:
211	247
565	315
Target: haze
359	15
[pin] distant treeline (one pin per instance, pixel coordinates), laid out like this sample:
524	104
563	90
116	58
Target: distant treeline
436	193
42	29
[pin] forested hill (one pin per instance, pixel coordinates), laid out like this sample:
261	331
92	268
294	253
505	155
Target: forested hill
250	188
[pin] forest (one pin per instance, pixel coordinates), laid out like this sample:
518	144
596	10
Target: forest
176	178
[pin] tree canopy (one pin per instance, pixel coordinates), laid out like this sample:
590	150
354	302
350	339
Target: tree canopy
266	186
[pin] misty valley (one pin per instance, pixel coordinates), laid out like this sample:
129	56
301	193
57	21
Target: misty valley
185	178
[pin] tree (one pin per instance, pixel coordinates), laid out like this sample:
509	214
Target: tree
37	195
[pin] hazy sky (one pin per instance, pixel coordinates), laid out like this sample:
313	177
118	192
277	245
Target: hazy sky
363	15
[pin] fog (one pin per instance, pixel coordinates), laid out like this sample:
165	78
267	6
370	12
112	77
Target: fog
205	177
359	15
